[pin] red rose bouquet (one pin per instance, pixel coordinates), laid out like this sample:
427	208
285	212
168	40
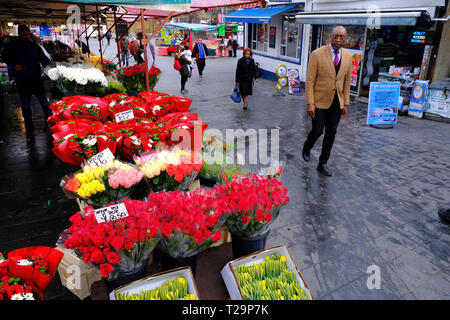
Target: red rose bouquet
148	96
176	117
254	203
116	246
169	170
189	221
133	78
35	264
120	102
14	288
67	126
80	145
79	107
192	130
109	183
161	106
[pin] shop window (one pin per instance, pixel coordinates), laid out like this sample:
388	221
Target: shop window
291	38
260	37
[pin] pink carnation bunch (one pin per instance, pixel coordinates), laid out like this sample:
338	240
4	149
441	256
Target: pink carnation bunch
124	178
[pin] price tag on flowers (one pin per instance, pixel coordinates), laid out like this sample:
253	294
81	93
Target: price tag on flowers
124	115
101	158
111	213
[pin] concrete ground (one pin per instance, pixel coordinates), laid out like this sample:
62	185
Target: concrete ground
377	212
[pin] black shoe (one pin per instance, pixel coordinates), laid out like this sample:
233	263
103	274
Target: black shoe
306	156
323	169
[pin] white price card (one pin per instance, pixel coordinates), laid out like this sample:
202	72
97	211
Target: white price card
124	115
101	158
111	213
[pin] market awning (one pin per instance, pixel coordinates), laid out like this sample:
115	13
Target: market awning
256	15
400	18
190	26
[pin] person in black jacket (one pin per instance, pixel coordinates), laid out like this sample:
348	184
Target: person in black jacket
245	73
26	59
200	53
184	71
235	47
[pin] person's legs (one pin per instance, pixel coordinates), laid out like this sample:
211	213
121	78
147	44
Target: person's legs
331	125
201	65
318	123
183	82
235	53
42	98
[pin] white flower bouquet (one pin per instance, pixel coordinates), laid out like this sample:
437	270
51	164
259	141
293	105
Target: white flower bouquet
77	81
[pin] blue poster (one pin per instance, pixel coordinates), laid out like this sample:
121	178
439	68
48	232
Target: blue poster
418	98
383	102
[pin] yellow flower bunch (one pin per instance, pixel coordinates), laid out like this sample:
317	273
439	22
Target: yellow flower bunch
89	174
89	188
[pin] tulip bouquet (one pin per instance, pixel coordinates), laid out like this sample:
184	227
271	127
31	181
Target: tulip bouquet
172	289
116	246
109	183
269	280
189	221
254	202
133	78
169	169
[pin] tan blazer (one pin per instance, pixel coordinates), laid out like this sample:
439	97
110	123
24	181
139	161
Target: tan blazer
321	79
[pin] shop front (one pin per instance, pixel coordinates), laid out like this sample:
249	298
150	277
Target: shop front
274	37
392	45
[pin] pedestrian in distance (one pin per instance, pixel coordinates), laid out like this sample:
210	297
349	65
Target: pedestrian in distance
235	47
26	60
230	47
184	71
200	53
245	73
327	94
108	36
124	48
222	47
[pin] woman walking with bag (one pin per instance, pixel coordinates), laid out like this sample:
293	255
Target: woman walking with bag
184	71
245	73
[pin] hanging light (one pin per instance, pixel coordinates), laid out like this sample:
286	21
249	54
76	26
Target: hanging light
10	24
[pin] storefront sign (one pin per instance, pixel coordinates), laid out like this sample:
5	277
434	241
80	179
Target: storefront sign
293	76
101	158
111	213
383	102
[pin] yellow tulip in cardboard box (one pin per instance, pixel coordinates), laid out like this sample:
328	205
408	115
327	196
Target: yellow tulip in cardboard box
270	274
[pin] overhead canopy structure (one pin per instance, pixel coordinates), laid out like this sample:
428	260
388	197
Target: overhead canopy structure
355	17
257	15
190	26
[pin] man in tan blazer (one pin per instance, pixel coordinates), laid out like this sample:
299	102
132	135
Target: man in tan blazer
327	94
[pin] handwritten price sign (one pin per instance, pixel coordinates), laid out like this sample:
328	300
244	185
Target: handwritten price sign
111	213
101	158
124	115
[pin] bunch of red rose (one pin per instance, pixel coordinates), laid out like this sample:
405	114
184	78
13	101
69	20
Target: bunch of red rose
189	221
114	246
12	288
254	203
133	70
78	107
120	102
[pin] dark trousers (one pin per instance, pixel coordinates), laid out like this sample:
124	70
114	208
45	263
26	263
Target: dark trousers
328	119
183	81
26	89
201	65
235	52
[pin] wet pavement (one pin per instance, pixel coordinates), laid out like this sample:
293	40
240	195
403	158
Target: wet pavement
378	209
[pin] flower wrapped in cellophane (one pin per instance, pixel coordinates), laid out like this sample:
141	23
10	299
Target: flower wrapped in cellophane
109	183
115	246
254	202
189	221
169	169
269	280
80	145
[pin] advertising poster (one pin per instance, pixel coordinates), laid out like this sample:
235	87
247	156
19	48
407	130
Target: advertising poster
418	99
293	76
383	102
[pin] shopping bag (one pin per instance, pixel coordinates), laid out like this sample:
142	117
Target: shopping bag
176	65
235	95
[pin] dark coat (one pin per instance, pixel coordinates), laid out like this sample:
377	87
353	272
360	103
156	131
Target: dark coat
27	54
245	73
184	71
195	51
